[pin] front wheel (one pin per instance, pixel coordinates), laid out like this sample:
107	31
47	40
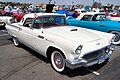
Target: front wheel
117	37
58	61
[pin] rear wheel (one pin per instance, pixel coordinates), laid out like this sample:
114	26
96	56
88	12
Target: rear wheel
2	27
16	42
15	19
117	37
58	61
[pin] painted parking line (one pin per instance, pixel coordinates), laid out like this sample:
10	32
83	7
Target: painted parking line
94	72
4	31
3	35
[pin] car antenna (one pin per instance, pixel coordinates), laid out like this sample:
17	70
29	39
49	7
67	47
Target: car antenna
42	23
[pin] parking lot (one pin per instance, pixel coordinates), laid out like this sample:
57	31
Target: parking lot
22	63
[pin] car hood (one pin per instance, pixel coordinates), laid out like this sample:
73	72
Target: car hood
79	35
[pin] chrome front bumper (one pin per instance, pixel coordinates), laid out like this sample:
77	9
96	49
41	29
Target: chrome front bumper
2	23
85	63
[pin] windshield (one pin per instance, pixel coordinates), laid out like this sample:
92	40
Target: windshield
49	21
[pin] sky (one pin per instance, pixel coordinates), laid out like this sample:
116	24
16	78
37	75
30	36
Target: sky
67	2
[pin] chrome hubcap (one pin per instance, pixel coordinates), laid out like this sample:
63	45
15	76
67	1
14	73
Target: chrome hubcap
58	60
117	38
15	41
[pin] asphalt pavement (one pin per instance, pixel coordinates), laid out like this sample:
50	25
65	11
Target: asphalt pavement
22	63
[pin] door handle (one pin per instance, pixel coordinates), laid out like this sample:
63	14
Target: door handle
79	22
39	36
102	25
20	29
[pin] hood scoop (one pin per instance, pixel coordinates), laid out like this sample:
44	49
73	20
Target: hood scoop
74	30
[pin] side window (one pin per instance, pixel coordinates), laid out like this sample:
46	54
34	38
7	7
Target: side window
94	18
38	23
86	17
28	22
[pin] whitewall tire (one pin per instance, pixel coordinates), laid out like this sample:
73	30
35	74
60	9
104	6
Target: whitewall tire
15	19
117	37
58	61
15	41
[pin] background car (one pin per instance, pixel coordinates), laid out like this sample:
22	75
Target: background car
17	16
97	21
74	14
4	18
115	16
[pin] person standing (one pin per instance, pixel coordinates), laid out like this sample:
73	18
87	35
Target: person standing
8	9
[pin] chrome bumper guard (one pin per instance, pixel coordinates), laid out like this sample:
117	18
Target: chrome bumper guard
2	23
85	63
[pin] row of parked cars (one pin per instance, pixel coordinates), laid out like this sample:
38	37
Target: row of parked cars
6	17
91	20
65	45
68	42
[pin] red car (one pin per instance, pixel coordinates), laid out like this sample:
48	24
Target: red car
17	16
2	12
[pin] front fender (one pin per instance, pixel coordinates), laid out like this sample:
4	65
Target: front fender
68	55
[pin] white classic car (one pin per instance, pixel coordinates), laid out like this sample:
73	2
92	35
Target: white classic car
3	20
114	16
66	46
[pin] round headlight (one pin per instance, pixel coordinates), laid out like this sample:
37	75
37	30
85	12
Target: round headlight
78	50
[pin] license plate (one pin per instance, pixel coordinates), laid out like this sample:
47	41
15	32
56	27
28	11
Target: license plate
101	59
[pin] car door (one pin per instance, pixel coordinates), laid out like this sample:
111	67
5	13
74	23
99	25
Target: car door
101	26
90	22
86	22
26	33
40	42
99	23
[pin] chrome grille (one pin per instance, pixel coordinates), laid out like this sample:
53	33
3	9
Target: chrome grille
94	55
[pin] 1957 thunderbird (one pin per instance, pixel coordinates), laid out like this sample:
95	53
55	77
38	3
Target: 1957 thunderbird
97	21
66	46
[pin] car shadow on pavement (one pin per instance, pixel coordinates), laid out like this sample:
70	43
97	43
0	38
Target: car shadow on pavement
5	39
81	71
34	53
